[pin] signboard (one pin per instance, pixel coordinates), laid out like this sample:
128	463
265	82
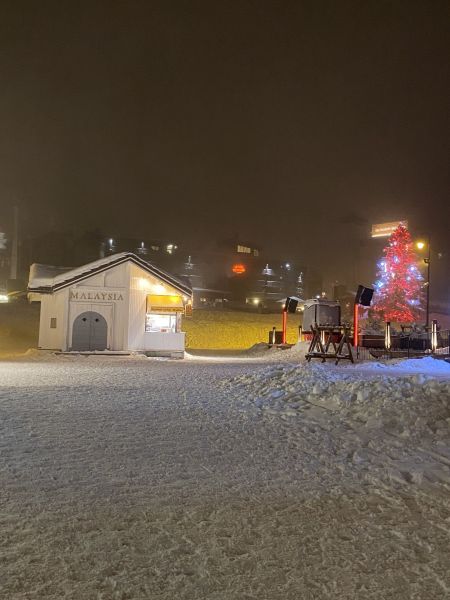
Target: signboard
156	302
386	229
238	269
81	294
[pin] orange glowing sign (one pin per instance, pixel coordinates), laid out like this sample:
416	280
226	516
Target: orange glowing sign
238	268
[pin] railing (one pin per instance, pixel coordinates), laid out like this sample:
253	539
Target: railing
409	345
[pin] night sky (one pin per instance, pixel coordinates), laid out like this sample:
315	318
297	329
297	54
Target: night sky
281	121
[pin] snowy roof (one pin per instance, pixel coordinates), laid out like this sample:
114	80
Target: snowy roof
321	301
42	275
46	279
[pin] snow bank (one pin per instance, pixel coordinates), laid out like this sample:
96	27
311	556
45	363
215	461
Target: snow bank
283	388
258	353
275	354
365	412
427	365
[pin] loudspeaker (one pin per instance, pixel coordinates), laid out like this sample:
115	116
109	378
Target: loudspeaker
291	305
364	296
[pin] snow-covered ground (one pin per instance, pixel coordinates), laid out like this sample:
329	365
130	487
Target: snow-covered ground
223	479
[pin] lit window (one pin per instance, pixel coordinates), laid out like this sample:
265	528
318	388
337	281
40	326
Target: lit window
155	323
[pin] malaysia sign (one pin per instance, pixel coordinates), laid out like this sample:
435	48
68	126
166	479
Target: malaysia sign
96	295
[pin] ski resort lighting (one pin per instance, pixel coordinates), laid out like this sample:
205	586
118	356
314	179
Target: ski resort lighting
238	269
145	284
142	249
380	230
434	336
387	335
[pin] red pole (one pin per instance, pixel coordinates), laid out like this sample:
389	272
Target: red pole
283	339
355	324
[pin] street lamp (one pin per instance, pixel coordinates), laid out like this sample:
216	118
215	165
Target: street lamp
420	246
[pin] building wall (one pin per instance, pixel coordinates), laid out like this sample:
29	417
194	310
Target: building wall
113	283
105	293
53	307
141	284
120	296
166	342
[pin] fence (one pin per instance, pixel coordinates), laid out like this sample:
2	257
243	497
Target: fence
409	345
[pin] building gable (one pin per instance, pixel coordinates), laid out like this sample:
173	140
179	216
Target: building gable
88	272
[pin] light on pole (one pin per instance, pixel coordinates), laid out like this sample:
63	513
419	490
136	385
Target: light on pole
420	246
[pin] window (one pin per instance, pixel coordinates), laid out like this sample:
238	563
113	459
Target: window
158	323
53	323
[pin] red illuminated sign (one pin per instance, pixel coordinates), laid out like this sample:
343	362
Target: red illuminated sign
238	268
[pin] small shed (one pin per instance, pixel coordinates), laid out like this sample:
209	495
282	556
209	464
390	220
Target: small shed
116	303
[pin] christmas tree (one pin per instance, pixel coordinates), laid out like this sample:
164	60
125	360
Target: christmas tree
398	289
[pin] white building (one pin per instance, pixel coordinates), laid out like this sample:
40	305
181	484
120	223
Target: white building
117	303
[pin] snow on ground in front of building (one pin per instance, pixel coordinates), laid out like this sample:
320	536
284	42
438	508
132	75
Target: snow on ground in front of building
414	408
261	352
426	365
135	478
296	354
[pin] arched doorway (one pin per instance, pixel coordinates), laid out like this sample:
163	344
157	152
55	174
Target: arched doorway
89	332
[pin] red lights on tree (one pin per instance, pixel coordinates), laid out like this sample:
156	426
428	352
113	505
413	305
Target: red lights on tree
398	290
